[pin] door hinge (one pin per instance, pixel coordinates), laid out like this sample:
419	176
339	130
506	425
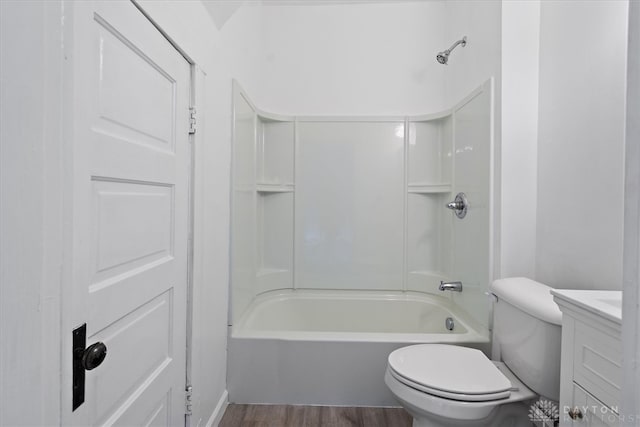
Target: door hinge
192	120
187	400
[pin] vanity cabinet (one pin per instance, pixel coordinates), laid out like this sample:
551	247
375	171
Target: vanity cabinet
591	357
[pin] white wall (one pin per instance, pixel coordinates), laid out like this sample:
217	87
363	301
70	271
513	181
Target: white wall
30	212
352	59
520	51
631	276
472	65
583	47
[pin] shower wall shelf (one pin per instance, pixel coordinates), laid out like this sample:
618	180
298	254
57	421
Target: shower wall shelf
274	188
419	188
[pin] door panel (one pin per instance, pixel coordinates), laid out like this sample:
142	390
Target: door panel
139	350
130	210
133	226
124	72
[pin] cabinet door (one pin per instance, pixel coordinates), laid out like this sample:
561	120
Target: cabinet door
589	411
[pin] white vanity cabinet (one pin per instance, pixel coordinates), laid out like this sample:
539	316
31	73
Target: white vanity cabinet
591	365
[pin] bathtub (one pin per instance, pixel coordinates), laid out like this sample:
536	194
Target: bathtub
330	347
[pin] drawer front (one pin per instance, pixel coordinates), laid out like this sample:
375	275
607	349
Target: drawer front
588	411
597	361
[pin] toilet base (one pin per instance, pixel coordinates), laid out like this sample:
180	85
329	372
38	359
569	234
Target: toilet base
432	411
508	415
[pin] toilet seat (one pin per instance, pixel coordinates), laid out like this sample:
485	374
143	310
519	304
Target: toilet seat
450	372
446	395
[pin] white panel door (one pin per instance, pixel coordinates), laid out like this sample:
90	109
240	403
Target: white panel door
129	221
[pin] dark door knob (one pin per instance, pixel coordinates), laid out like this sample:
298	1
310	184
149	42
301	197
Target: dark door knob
94	355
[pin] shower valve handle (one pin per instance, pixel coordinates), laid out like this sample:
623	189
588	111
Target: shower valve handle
459	205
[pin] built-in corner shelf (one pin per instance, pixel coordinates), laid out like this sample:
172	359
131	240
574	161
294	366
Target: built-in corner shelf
274	188
424	188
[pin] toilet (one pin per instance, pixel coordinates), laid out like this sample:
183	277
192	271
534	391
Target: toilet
448	385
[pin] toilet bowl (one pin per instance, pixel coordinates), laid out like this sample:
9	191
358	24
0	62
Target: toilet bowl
437	390
446	385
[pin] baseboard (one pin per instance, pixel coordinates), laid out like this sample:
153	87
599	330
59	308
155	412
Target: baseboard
216	417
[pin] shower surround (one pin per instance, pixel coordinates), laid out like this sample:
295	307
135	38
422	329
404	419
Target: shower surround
340	238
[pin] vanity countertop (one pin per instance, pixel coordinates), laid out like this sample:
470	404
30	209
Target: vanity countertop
606	304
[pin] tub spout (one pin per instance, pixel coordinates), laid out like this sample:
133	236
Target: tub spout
450	286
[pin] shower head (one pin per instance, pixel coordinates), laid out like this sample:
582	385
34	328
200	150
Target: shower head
443	57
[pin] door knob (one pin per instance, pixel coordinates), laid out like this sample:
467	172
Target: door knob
84	359
94	355
459	205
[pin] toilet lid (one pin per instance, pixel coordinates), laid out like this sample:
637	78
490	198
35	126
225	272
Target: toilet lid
450	371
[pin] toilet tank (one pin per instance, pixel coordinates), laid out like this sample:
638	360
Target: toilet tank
527	333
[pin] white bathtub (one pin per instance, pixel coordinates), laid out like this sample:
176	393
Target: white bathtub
331	347
355	316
